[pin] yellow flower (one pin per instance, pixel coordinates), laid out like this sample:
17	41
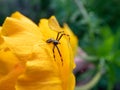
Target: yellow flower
27	42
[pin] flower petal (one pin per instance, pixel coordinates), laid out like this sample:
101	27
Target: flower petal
17	15
22	37
53	24
7	59
73	38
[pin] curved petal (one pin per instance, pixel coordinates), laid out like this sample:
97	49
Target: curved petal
17	15
22	37
9	72
7	59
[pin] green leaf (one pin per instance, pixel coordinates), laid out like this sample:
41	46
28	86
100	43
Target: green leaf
111	76
105	32
105	48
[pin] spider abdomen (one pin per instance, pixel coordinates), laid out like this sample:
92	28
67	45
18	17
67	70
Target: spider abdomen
55	42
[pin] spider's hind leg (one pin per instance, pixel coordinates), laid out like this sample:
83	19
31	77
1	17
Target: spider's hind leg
54	52
60	54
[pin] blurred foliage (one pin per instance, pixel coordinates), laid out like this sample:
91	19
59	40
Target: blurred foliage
95	22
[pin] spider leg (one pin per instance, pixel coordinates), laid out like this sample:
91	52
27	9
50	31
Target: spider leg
58	34
62	35
53	52
59	54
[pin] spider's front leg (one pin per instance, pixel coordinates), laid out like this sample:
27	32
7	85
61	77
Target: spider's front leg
63	35
59	34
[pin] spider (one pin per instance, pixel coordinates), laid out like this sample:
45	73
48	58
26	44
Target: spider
55	43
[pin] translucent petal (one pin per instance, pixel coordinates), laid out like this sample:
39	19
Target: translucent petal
53	24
